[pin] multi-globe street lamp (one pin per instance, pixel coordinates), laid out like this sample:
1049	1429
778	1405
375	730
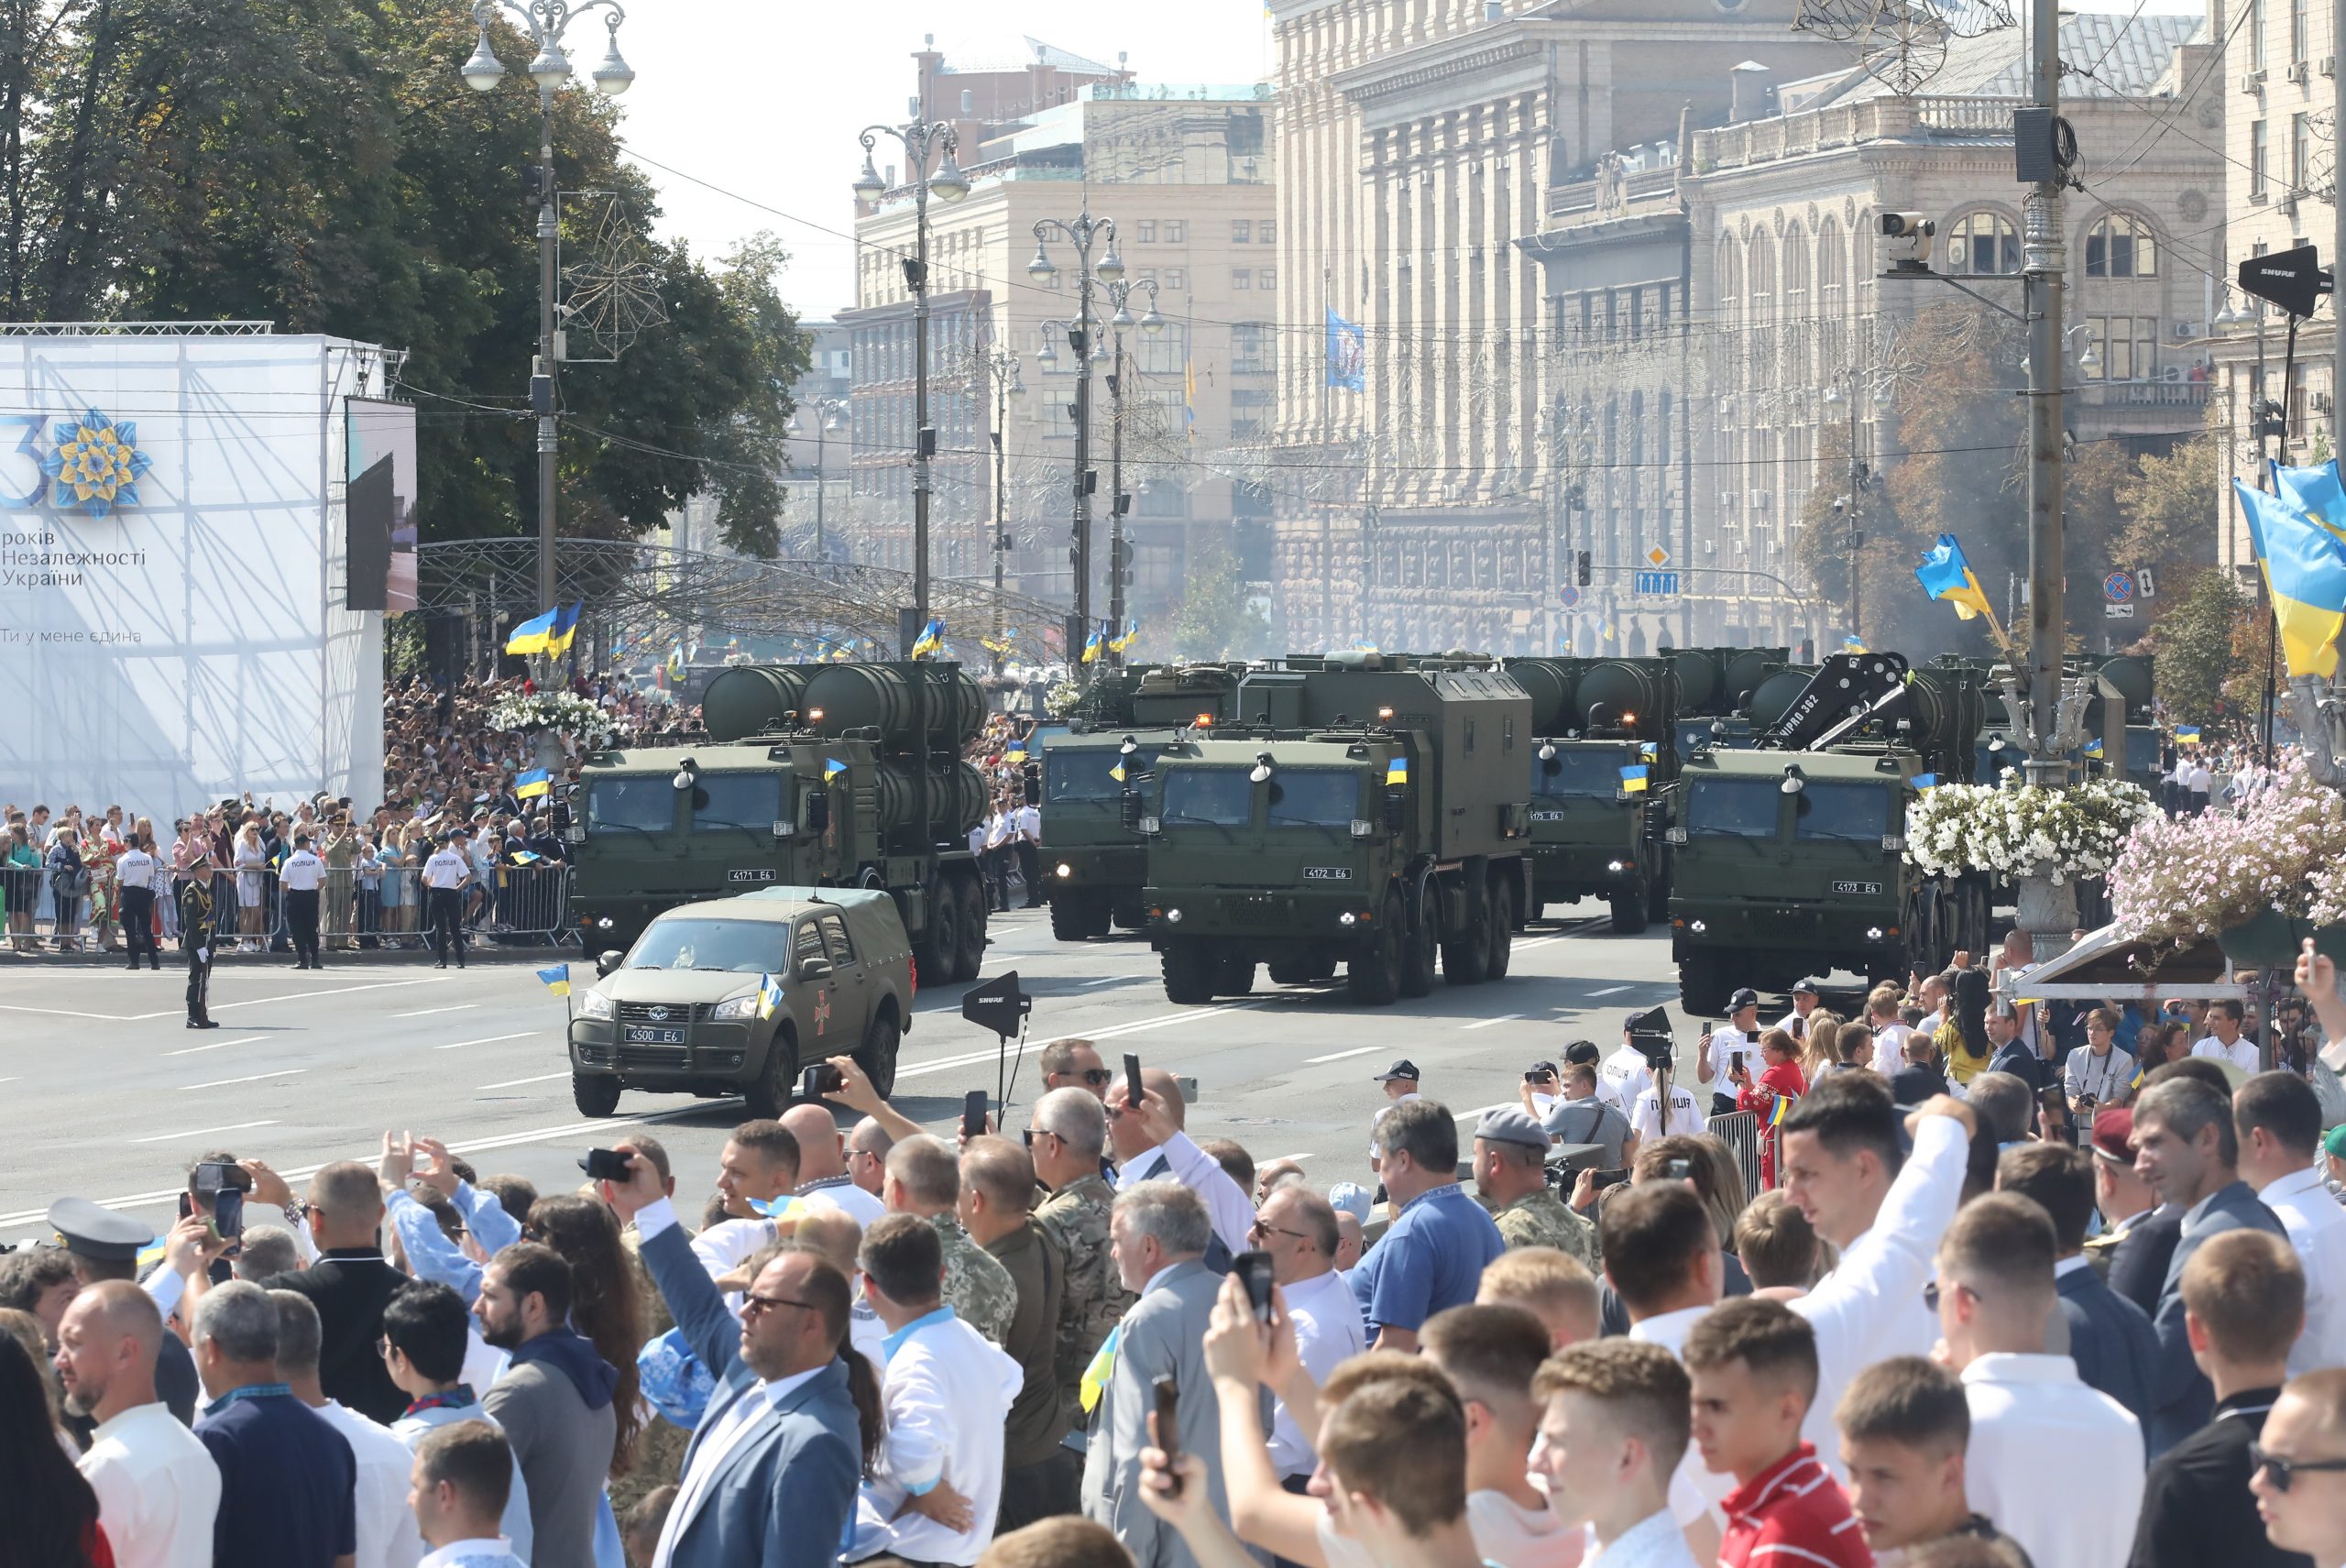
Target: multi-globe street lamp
1082	233
831	415
1119	551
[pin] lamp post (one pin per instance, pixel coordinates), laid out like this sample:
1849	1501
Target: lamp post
1082	233
1851	507
1119	575
920	139
542	22
831	415
999	368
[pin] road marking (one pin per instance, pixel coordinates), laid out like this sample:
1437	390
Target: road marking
489	1040
1487	1023
1474	1115
1613	990
428	1011
202	1132
191	1050
1111	978
288	996
1161	1021
67	1012
256	1078
1535	942
1340	1056
517	1083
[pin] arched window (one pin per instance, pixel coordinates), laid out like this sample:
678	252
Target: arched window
2122	246
1729	278
1982	244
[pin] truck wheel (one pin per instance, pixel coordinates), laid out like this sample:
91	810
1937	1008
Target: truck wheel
1628	905
595	1096
768	1096
1189	969
1418	949
1236	975
939	948
973	954
1372	975
1467	955
877	1054
1071	915
1502	930
1702	985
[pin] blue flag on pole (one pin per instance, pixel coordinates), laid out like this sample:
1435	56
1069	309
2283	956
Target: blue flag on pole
1347	354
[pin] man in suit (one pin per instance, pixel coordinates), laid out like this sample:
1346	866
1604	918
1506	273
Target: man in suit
2111	1339
2138	1234
770	1477
1157	1234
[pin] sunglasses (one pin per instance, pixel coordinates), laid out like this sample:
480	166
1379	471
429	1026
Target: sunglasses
1259	1229
2282	1471
1098	1077
754	1303
1032	1133
1931	1294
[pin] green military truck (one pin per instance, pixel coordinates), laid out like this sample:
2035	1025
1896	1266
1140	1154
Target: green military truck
1094	862
1789	858
1369	811
817	775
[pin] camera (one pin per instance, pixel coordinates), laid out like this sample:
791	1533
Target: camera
604	1165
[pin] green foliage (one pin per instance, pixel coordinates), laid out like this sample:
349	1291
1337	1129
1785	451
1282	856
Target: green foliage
2196	642
319	163
1216	619
2170	505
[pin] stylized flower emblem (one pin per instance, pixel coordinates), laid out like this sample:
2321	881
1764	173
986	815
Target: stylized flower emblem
95	465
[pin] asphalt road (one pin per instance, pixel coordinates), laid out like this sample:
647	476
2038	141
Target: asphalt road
104	1094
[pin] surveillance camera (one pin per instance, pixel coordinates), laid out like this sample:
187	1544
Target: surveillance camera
1906	241
1901	225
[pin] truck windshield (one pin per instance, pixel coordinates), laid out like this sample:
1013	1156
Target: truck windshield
737	800
736	946
1580	771
1843	813
1083	774
1220	797
1732	808
646	804
1314	797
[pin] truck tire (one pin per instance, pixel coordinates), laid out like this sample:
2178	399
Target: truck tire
877	1054
1702	985
974	930
1628	907
1235	974
1071	913
938	949
1419	949
768	1096
595	1096
1373	975
1502	928
1189	967
1467	955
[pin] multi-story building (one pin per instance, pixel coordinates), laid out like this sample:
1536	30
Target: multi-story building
1185	173
823	440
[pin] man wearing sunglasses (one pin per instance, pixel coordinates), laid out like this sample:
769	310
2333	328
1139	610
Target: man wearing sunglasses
2299	1475
1075	1064
1297	1228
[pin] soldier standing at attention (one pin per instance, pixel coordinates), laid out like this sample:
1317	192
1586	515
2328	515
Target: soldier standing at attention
1066	1131
1511	1179
195	920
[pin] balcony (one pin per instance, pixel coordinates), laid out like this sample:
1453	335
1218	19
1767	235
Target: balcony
2177	394
1882	119
1605	196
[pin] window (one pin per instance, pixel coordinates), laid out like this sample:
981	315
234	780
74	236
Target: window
834	938
2256	35
1251	351
1846	813
2123	246
1983	244
1266	277
1214	796
807	942
1176	278
729	801
1314	797
1241	231
1147	234
2300	153
1267	233
2257	145
2128	346
1177	231
2297	29
1242	277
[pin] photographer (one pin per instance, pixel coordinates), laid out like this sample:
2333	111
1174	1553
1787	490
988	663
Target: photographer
1580	1116
2098	1072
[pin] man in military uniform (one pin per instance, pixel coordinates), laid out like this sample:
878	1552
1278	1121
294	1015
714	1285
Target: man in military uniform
924	1179
1511	1179
105	1246
195	921
1065	1133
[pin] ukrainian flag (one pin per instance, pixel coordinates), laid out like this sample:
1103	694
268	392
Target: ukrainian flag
1397	772
1092	647
1094	1383
1117	772
1015	752
1853	644
931	640
557	978
537	781
675	659
1633	780
2187	735
534	635
2304	562
564	628
832	768
525	857
1945	574
768	995
1926	781
1781	1109
1131	634
2093	747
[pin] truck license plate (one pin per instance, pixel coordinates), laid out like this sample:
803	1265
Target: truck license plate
641	1035
765	874
1327	874
1547	817
1860	887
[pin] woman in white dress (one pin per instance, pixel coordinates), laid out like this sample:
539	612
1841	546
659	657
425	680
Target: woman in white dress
252	886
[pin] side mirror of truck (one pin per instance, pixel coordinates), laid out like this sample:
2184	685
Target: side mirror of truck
608	960
818	810
815	969
1396	809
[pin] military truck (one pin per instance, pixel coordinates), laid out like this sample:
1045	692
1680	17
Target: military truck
1369	811
817	775
1789	858
1094	861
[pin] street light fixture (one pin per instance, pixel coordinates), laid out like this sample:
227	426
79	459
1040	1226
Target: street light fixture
831	412
921	139
998	367
1081	232
1120	295
543	23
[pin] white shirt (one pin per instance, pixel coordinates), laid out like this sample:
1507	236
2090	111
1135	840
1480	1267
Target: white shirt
2202	781
1504	1535
159	1490
481	1551
135	867
978	839
446	868
1182	1160
948	1392
409	1429
2032	1420
1795	1025
2241	1053
1725	1044
843	1194
1694	1489
302	872
386	1533
1654	1542
717	1444
1685	1115
2316	1228
1328	1330
2104	1076
1030	824
1382	1111
1890	1049
1628	1071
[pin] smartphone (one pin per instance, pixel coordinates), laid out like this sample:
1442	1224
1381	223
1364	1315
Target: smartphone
1679	1170
821	1080
219	1186
1133	1095
1164	1423
973	1113
1254	1271
1734	1062
604	1165
1606	1178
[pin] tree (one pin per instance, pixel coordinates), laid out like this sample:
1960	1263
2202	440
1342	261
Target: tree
2201	643
2170	504
1216	619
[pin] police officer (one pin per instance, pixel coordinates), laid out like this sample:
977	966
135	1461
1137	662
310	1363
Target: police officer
195	923
444	876
300	877
104	1245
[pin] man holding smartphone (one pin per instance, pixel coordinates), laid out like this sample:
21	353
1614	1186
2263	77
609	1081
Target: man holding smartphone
1715	1063
1584	1117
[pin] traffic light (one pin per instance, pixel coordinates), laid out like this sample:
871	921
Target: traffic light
1580	567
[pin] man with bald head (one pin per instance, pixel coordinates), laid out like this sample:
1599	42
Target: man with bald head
1150	1145
1039	1478
823	1178
1065	1131
157	1486
867	1154
924	1180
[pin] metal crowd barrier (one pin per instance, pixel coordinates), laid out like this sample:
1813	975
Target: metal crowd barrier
1739	1130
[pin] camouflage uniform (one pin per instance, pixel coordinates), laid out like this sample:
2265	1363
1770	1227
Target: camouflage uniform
1093	1299
977	1286
1541	1219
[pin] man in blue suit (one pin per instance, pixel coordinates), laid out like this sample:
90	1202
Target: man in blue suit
2111	1339
770	1476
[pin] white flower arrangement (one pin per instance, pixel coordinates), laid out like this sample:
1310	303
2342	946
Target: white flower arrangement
1062	700
2017	829
2281	850
565	713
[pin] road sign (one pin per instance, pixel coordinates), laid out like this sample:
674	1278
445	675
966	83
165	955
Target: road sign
2118	612
1569	597
2118	588
2144	585
1659	557
1658	584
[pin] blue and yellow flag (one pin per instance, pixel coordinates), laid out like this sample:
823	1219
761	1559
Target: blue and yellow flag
832	768
2304	561
1945	574
675	659
1117	772
1015	752
533	635
526	857
557	978
931	639
1094	1383
2093	747
1853	644
1633	780
1092	647
563	630
1132	633
1781	1109
537	781
1926	781
768	995
1397	772
2187	735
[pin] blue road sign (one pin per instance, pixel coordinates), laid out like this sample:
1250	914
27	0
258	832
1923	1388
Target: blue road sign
1569	596
2118	588
1658	584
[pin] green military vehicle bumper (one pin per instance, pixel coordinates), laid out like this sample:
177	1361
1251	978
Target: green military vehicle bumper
1270	920
683	1051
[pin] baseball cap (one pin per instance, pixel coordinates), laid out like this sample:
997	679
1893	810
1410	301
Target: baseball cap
1812	987
2334	1142
1402	1068
1512	1124
2112	1133
1746	997
1352	1198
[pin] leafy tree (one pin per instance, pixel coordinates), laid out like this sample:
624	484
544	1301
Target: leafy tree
2202	643
2171	507
1216	619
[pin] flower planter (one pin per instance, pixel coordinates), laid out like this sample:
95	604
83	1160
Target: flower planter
2264	940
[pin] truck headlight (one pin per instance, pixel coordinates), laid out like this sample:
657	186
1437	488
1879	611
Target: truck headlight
1873	933
602	923
1698	927
736	1007
576	833
1363	828
1063	871
1348	919
1613	866
1172	917
594	1004
1676	835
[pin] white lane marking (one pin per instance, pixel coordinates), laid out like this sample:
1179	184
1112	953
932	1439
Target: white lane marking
1111	978
200	1133
1535	942
1613	990
68	1013
489	1040
517	1083
1161	1020
256	1078
428	1011
294	996
1340	1056
1487	1023
1475	1114
192	1050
